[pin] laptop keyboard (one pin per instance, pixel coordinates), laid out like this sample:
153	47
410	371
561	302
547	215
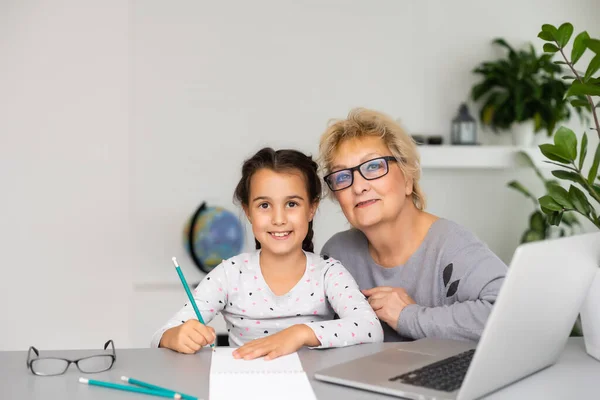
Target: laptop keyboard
445	375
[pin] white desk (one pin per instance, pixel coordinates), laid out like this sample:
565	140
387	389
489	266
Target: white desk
575	376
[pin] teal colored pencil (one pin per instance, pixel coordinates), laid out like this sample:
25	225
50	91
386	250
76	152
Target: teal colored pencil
154	387
189	294
126	388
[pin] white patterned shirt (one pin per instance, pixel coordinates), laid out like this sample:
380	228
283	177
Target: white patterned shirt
237	289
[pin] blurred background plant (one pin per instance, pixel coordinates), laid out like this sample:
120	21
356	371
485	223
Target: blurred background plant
521	87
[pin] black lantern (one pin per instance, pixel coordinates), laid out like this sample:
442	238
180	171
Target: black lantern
464	127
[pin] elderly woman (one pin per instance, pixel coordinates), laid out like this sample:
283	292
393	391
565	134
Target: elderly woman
424	276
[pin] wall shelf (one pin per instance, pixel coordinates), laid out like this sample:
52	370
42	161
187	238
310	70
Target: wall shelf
481	157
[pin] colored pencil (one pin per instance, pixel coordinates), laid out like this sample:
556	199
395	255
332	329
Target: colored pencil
127	388
189	295
154	387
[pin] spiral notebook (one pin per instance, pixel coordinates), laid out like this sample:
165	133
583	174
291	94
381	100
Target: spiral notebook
280	378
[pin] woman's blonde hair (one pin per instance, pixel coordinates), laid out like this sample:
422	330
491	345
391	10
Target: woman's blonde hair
361	123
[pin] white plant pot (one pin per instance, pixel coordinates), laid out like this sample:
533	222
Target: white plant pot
590	319
523	134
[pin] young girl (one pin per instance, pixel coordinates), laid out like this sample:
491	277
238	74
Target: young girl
281	296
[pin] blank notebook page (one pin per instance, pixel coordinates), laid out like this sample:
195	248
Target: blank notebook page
280	378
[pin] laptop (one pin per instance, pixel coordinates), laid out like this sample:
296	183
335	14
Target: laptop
526	331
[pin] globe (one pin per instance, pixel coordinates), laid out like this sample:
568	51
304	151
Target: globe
211	235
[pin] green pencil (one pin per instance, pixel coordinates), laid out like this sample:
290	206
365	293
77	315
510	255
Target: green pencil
158	388
126	388
189	295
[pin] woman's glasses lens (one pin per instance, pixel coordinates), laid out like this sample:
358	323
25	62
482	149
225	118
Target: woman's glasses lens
340	180
374	169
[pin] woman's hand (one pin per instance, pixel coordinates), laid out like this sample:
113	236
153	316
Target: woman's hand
279	344
388	303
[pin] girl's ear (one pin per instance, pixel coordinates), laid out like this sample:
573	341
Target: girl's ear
313	209
247	212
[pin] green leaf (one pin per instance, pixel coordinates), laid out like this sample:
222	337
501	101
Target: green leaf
560	63
537	222
564	33
546	211
577	89
566	142
546	36
583	150
551	182
593	45
550	48
520	188
554	218
560	195
579	200
595	164
592	68
553	153
551	30
580	103
549	203
569	176
579	46
568	78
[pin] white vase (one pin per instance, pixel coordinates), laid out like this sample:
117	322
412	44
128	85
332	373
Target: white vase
523	133
590	319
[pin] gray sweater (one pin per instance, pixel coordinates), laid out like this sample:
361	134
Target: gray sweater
453	277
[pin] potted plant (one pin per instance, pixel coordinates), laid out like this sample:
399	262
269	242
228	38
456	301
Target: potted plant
522	93
539	227
583	195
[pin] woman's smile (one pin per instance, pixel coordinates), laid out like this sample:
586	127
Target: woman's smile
366	203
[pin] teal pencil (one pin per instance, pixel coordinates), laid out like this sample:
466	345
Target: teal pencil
126	388
189	294
158	388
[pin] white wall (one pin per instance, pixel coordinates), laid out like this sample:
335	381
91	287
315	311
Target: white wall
118	118
213	83
66	273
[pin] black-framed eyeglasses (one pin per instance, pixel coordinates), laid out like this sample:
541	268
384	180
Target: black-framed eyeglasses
371	169
50	366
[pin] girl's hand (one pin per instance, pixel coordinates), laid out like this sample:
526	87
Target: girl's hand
189	337
279	344
388	303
